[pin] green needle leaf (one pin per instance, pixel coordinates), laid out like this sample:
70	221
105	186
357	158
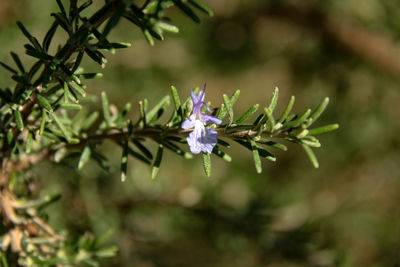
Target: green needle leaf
287	110
49	36
228	107
188	11
106	110
273	144
148	37
24	30
113	21
256	156
157	161
174	148
124	160
324	129
44	103
311	155
8	68
135	154
304	116
298	121
18	62
106	252
217	151
10	138
201	7
61	20
247	114
262	152
158	109
207	164
90	75
318	111
223	143
176	98
18	119
309	142
168	27
38	54
142	148
177	102
32	39
143	110
90	120
69	94
221	112
60	5
77	88
274	100
43	122
271	120
224	110
61	126
235	97
85	156
4	260
29	141
71	106
176	139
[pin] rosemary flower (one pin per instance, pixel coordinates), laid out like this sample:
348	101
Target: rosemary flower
201	139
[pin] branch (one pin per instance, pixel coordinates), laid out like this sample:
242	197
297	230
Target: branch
27	107
263	131
376	48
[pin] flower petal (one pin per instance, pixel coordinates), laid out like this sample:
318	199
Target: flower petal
202	93
207	107
201	139
207	119
197	108
209	140
189	123
195	137
194	97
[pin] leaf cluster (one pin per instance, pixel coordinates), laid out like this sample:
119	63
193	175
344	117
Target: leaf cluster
55	83
266	132
43	117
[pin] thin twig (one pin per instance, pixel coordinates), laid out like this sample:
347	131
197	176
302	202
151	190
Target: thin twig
6	207
376	48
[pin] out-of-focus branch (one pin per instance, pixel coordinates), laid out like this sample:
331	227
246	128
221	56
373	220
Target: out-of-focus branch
27	224
376	48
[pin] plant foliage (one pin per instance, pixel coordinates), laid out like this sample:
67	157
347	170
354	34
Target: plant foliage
43	118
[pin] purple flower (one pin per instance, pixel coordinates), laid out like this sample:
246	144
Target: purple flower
201	138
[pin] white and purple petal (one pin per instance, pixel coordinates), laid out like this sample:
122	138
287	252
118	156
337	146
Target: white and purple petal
201	139
194	97
197	105
209	140
207	119
195	138
189	123
207	107
202	94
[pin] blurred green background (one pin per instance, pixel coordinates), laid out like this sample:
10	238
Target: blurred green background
346	213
